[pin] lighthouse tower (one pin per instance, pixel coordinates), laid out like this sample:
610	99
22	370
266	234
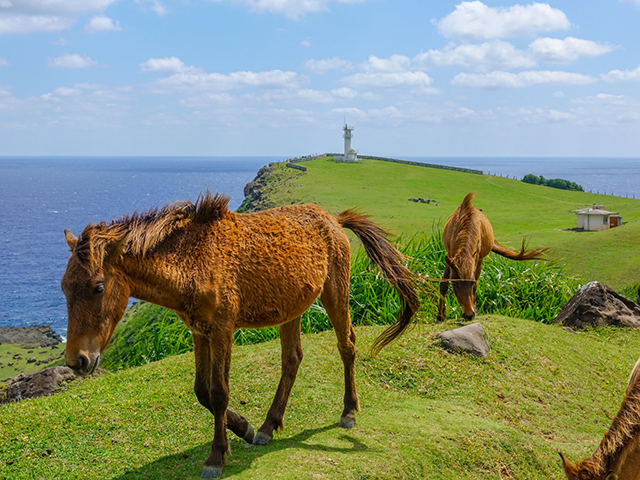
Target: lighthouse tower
350	155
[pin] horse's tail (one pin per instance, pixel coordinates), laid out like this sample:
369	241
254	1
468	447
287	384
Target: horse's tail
523	254
388	260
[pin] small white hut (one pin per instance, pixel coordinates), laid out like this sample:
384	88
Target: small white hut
597	218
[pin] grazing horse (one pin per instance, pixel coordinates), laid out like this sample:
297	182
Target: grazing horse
618	455
468	238
220	271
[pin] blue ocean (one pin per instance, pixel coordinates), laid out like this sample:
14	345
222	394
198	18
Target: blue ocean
42	196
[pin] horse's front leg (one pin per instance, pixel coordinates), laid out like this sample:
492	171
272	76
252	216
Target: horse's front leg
444	288
212	388
291	358
235	422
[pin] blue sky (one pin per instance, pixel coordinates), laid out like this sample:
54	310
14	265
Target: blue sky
278	77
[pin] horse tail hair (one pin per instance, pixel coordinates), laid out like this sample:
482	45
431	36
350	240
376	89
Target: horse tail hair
389	261
523	254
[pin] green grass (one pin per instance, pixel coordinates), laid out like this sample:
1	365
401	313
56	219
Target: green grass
18	355
425	413
515	209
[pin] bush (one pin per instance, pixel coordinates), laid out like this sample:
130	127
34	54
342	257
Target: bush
553	182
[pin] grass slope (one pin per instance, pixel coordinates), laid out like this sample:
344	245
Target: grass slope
425	413
515	209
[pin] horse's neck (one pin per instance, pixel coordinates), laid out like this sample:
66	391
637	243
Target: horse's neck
153	280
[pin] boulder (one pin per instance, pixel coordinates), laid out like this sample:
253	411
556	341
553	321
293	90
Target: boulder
38	384
596	304
469	338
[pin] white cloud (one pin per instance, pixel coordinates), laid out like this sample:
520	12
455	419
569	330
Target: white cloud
393	64
607	99
72	60
502	80
293	9
305	43
235	80
559	94
555	50
323	66
3	62
156	6
168	64
475	21
28	16
61	42
484	57
311	96
621	75
399	80
101	23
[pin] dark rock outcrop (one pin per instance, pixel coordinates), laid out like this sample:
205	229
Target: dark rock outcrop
596	304
38	384
41	335
469	338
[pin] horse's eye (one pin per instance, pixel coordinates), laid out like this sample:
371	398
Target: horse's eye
99	289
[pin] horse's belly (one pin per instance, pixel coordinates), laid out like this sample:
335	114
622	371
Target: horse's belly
275	306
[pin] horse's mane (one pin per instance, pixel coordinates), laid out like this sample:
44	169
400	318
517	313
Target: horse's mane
139	233
624	429
466	236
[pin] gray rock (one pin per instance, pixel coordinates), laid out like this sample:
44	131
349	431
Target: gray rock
38	384
35	335
596	304
469	338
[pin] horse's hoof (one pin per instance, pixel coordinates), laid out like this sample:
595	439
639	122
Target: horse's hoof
261	438
211	471
439	318
248	437
348	422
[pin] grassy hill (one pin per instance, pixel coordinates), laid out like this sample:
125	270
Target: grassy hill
425	413
516	209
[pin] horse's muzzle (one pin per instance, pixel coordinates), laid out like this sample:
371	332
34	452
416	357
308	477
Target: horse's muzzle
468	317
83	366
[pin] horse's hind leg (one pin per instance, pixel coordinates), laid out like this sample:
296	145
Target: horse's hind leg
291	358
335	299
444	288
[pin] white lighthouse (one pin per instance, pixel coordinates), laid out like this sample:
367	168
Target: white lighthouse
350	155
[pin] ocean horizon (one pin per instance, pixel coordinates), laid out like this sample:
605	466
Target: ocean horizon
41	196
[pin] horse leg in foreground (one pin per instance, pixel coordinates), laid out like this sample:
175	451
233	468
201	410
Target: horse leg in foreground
335	298
618	455
291	358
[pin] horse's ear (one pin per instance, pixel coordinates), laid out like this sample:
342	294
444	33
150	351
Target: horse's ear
633	378
119	245
570	469
71	239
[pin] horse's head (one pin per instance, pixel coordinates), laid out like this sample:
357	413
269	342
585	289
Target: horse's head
585	470
464	288
97	296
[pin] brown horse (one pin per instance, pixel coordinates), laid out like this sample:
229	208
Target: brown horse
220	271
618	455
468	238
